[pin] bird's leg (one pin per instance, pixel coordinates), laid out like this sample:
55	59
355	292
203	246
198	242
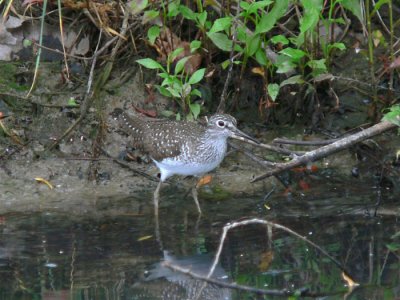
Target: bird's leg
157	197
195	198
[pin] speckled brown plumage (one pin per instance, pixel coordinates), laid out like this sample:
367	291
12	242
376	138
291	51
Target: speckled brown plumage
160	138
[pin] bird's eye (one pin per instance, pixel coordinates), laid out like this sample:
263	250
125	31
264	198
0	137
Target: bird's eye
221	124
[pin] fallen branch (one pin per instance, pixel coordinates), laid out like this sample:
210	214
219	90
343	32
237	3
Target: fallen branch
324	151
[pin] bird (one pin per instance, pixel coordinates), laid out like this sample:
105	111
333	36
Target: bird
182	147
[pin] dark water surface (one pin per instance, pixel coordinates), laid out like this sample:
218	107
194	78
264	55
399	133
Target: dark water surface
107	254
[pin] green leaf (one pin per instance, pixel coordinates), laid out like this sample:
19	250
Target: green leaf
221	24
378	6
220	40
294	54
279	39
318	66
195	92
252	44
356	7
153	33
269	20
174	54
285	66
393	116
173	92
137	6
195	109
187	13
72	102
163	91
339	46
194	45
181	64
297	79
149	15
150	63
197	76
202	17
173	9
273	90
393	246
261	57
256	5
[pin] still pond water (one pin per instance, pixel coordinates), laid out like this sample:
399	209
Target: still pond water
107	254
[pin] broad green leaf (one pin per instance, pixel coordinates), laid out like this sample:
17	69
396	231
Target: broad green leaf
285	66
339	46
194	45
318	67
150	15
163	91
355	6
261	57
202	17
173	92
273	90
297	79
150	63
153	33
252	44
221	24
174	54
269	20
256	5
173	9
195	108
220	40
197	76
196	92
279	39
187	13
294	54
181	64
137	6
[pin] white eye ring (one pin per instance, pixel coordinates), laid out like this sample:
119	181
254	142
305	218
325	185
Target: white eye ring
221	124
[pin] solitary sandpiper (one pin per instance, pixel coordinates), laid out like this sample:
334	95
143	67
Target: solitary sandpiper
182	147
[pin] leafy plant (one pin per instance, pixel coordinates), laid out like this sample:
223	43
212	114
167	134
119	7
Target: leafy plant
177	84
393	116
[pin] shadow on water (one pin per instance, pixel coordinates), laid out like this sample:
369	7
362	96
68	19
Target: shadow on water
113	253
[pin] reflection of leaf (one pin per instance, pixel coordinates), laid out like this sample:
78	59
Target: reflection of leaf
266	259
350	282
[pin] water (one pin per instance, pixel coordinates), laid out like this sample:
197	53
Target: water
116	253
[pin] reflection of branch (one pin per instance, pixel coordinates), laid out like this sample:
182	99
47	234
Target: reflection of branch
230	226
283	292
324	151
236	286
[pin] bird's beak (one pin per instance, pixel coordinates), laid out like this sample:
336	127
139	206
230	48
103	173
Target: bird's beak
241	136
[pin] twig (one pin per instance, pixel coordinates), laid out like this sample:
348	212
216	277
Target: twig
303	143
222	102
324	151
